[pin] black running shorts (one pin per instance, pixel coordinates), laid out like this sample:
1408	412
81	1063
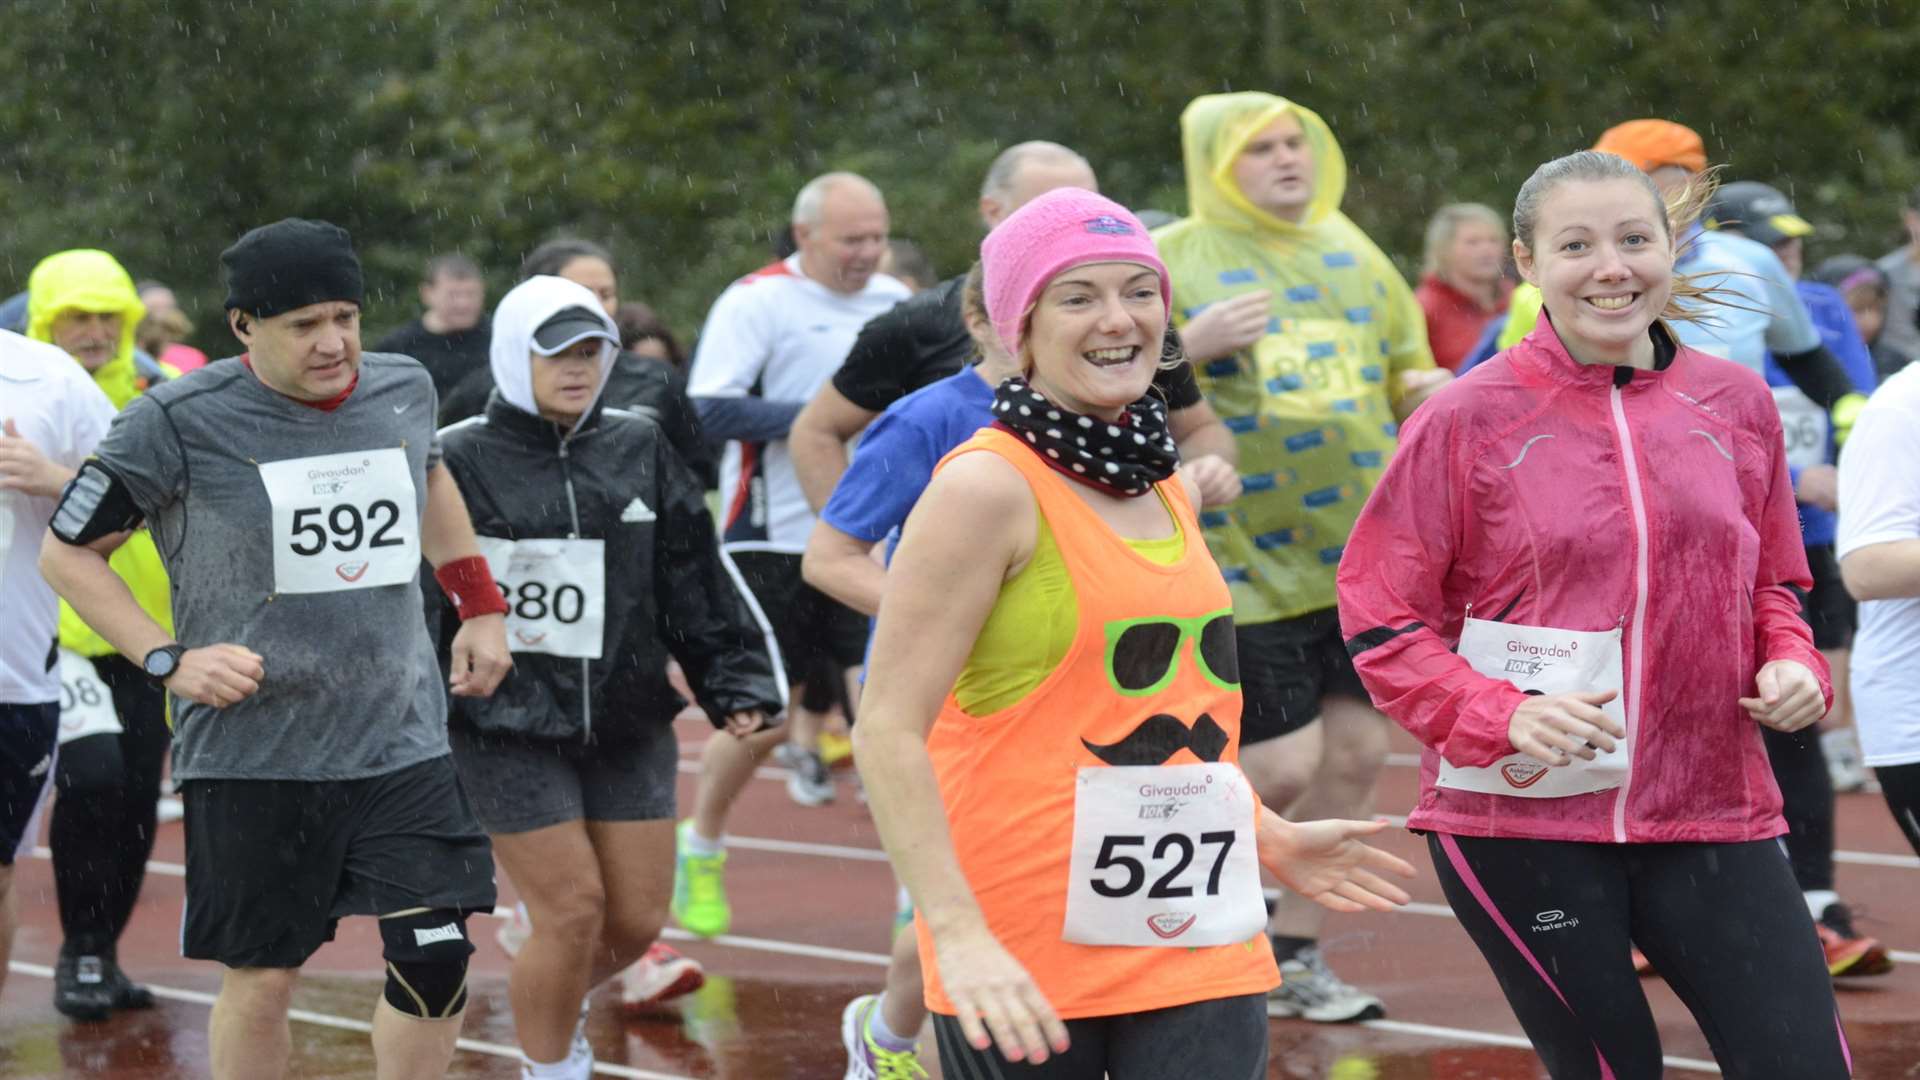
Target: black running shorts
1286	667
273	865
28	735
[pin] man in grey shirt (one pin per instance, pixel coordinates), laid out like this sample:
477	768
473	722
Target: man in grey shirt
1902	267
292	492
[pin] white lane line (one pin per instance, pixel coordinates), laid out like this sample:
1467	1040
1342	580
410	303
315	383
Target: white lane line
343	1023
754	944
1489	1038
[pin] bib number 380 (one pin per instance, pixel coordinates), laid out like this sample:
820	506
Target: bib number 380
1163	855
343	521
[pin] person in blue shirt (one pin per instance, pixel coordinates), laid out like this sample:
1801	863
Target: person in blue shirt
893	464
1762	214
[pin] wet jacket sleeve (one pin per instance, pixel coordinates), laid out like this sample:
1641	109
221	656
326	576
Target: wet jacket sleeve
1391	603
1779	633
704	620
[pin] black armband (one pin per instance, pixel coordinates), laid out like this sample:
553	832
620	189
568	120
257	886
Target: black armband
1817	374
94	504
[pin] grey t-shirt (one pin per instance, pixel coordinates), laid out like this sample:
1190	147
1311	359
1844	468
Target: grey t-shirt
294	532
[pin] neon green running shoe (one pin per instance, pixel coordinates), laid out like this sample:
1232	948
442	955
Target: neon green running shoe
866	1059
699	888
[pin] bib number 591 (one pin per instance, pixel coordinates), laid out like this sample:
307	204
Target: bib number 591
345	527
1176	846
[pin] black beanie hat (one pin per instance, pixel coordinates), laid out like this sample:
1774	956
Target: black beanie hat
289	264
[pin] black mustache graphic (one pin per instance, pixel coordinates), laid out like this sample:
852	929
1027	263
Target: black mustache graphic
1159	737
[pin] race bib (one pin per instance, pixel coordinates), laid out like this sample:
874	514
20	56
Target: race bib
1805	425
343	521
86	705
1163	855
556	593
1542	660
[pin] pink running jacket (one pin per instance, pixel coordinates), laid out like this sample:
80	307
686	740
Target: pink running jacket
1541	491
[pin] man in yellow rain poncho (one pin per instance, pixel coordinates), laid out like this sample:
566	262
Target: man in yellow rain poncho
113	729
1311	347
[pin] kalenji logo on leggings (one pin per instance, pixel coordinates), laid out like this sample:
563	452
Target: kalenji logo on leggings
1554	920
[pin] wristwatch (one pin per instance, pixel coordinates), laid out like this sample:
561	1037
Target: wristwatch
161	663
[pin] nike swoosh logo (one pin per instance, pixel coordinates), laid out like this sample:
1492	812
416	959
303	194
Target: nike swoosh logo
398	409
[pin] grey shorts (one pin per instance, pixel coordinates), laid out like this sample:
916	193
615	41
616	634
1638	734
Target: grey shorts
517	785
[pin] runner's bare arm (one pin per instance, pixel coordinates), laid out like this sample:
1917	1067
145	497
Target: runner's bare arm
844	568
480	656
972	529
217	675
1200	432
1327	862
818	442
1886	571
82	577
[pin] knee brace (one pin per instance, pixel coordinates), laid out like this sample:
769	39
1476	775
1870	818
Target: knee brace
426	954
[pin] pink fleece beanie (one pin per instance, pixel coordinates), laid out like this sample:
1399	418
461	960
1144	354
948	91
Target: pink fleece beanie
1063	228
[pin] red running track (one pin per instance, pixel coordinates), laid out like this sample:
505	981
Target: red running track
813	905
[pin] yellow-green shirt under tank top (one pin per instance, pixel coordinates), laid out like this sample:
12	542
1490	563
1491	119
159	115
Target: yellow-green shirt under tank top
1033	623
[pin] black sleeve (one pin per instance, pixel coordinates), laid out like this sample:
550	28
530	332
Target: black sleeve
873	376
1177	385
704	620
681	421
1818	375
468	397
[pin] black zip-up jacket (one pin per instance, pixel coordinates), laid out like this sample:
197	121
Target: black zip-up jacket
667	590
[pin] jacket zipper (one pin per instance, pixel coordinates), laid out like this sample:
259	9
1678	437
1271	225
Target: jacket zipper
1636	638
586	672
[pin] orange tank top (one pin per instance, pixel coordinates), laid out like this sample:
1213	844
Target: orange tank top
1145	683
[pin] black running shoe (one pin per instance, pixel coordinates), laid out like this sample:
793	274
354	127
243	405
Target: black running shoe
127	994
80	988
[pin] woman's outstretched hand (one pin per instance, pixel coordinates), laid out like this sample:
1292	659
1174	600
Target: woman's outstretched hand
1327	862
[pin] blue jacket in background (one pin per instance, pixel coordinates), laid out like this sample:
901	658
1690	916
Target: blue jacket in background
1809	432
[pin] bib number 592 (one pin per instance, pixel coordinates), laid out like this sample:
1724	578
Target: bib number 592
344	527
1175	846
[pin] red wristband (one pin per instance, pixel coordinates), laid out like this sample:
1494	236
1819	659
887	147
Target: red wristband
469	584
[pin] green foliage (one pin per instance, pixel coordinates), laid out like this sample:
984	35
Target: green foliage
677	132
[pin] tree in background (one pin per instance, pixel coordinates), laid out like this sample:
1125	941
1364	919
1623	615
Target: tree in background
678	132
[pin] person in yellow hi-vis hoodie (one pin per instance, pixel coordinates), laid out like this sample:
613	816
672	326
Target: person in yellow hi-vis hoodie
113	726
1311	347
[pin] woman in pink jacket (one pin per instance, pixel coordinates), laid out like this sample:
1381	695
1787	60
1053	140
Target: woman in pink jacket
1575	585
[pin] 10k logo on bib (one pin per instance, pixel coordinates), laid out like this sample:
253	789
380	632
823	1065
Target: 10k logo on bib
556	593
343	521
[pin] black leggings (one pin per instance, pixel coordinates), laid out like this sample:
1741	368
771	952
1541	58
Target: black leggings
103	819
1806	796
1724	924
1901	786
1222	1039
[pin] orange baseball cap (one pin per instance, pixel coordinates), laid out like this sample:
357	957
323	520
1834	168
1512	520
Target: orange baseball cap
1650	144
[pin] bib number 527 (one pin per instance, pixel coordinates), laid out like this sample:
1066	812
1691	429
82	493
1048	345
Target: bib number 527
345	527
1115	854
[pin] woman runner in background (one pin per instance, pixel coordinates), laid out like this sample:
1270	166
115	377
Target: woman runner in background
600	540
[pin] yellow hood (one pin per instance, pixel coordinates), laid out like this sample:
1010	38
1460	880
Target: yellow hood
1213	131
88	280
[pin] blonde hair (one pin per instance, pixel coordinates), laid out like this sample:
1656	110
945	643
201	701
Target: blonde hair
1689	299
1446	224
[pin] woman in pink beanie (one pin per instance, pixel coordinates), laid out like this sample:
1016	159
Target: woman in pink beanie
1051	721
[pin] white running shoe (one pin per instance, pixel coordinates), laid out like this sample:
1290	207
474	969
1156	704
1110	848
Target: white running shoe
659	977
1311	991
867	1059
811	782
1844	762
514	931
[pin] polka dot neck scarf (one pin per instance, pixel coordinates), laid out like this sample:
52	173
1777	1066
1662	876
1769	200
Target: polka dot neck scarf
1124	457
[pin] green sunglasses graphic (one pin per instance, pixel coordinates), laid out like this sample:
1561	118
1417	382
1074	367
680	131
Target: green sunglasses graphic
1143	654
